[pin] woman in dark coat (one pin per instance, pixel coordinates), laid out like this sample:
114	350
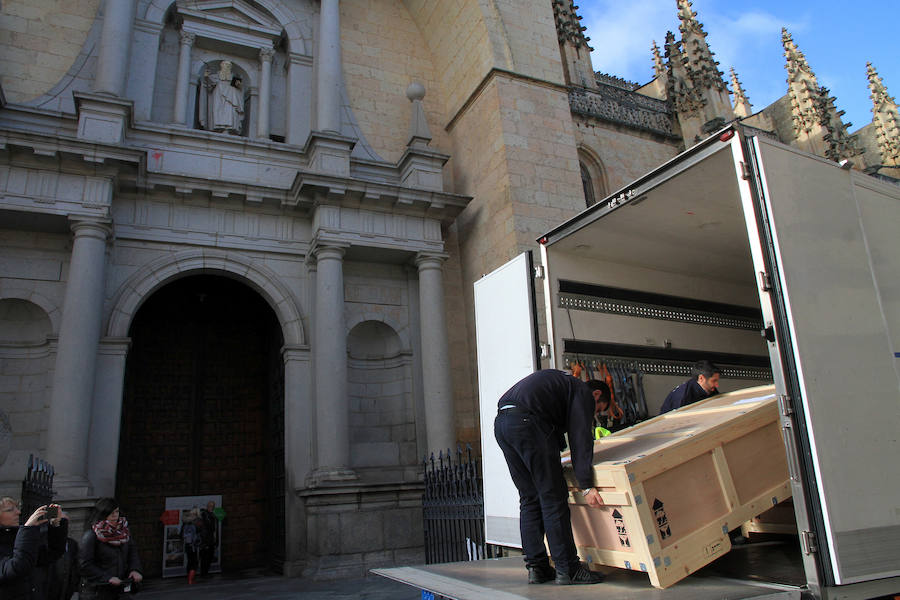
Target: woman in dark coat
108	556
25	552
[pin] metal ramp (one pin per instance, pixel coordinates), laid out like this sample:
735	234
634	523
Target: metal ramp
505	579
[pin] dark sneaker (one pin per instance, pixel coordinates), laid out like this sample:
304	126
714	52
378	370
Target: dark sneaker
541	574
580	576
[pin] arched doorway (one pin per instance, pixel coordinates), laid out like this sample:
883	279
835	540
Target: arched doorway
203	414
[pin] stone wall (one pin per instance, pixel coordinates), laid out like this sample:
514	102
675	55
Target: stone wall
40	41
624	154
383	52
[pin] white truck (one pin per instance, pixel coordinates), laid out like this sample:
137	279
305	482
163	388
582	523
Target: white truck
776	264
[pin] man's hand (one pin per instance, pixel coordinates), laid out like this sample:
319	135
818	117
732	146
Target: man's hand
137	577
593	498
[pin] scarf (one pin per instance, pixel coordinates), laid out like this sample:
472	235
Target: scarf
114	533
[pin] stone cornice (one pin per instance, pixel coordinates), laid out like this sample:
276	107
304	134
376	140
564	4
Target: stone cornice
312	187
616	105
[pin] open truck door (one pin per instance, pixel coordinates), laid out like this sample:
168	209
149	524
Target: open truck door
828	267
507	351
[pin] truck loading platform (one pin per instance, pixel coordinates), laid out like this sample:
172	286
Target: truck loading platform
765	570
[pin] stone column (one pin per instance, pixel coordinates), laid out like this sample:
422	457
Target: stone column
439	414
182	83
115	43
265	91
332	400
76	359
328	79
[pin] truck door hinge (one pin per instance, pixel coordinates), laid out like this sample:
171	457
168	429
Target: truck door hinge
745	170
808	542
784	403
765	282
539	272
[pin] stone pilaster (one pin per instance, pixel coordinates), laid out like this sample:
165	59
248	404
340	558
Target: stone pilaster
115	46
330	352
73	377
182	80
439	413
109	384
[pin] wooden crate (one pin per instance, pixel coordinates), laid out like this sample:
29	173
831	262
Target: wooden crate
675	485
778	520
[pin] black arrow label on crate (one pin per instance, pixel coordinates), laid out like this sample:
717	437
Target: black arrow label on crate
662	521
620	528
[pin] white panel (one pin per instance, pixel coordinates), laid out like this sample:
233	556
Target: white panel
504	333
830	270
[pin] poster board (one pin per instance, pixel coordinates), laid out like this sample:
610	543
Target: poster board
174	557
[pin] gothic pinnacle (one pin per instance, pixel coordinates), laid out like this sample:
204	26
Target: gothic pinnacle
879	91
659	67
742	107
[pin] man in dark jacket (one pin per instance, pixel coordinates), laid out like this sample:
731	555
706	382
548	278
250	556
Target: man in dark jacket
26	551
704	382
533	417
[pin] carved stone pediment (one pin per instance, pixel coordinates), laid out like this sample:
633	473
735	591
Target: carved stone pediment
234	21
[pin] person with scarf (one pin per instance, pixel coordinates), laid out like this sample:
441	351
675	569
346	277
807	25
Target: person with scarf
26	552
108	555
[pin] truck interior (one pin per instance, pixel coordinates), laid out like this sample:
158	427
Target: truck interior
663	278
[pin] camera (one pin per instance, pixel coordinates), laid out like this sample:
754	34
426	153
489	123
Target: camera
52	512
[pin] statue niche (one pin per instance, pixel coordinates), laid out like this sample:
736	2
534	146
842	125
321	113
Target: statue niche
221	105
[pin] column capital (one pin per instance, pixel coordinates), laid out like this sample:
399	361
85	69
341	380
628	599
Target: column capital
334	250
101	230
296	352
187	37
266	53
430	260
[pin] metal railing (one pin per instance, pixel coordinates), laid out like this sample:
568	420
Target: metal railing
37	487
453	509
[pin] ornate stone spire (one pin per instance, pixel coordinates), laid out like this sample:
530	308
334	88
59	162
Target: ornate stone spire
703	69
573	45
885	118
659	66
680	89
839	144
742	106
568	24
803	89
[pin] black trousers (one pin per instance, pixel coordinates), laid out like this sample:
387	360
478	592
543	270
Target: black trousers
531	449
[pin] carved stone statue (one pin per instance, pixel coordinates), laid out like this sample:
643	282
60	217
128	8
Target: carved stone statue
225	102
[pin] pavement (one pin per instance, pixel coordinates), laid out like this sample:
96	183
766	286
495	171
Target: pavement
275	587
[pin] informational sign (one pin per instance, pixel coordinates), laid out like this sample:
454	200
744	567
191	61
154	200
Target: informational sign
180	510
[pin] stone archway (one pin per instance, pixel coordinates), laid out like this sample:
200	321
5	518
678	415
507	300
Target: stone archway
203	414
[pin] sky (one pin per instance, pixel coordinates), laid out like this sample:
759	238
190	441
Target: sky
837	38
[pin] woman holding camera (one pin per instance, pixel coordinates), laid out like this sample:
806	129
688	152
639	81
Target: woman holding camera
26	552
108	556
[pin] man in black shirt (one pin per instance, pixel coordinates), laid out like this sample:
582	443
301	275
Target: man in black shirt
532	418
704	382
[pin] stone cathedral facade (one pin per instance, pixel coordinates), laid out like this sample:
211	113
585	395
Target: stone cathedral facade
238	238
